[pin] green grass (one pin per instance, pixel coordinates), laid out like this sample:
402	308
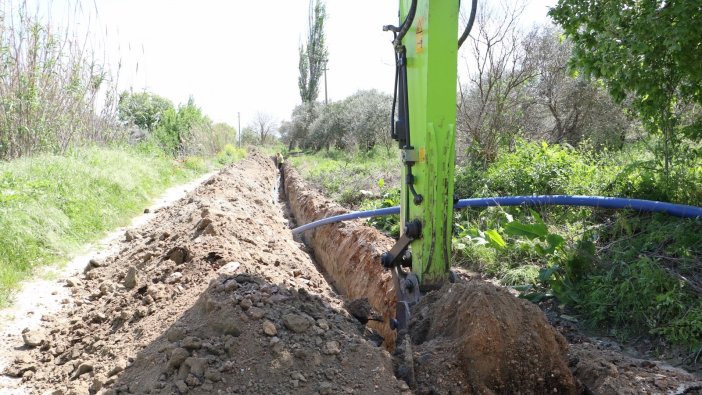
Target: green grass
342	175
51	205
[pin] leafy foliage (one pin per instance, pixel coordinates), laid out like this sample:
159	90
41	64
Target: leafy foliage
359	122
230	154
313	57
649	50
176	128
143	109
50	86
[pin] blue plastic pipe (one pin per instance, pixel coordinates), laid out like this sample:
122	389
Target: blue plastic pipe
677	210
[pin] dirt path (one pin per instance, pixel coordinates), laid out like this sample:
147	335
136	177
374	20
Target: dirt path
47	294
210	296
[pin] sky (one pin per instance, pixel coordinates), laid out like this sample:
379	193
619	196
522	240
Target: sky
236	56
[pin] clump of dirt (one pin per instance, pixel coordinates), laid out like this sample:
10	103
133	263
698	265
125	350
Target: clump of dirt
212	296
605	371
476	338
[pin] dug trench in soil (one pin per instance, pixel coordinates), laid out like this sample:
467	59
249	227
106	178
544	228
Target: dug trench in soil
212	296
465	338
473	336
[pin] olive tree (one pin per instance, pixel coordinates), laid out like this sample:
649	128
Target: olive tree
498	67
564	107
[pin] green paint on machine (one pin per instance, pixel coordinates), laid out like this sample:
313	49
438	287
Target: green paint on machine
431	74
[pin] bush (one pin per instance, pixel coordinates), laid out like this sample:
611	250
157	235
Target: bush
532	169
195	163
50	85
230	154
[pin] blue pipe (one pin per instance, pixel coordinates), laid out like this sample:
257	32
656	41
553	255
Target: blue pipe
677	210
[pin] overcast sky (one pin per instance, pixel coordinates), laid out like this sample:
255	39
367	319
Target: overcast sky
241	56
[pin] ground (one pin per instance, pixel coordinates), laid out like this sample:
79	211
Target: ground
214	295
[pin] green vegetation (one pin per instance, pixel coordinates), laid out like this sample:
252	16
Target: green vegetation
52	204
50	84
230	154
184	130
358	122
314	55
75	159
349	177
633	272
647	52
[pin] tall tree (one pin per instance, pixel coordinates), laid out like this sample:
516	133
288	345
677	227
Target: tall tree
314	55
500	67
264	125
650	50
565	108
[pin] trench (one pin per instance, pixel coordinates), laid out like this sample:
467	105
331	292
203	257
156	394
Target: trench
346	253
494	342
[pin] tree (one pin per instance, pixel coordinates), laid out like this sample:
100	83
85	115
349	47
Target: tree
208	139
175	131
313	57
563	108
144	110
487	111
650	50
369	119
296	132
330	127
264	125
361	121
249	136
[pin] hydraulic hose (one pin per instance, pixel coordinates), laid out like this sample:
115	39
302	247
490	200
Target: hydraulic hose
407	23
676	210
469	26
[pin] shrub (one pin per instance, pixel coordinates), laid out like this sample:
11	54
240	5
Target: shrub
50	85
230	154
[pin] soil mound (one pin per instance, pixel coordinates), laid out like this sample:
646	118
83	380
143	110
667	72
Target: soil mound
476	338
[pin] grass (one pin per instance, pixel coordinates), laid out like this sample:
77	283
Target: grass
342	175
50	204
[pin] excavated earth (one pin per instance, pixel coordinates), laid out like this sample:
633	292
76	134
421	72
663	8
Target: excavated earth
214	295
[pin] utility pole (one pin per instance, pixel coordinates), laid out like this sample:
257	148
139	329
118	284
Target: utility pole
326	98
238	115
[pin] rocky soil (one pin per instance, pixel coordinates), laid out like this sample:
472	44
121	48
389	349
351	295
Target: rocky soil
212	296
476	338
215	296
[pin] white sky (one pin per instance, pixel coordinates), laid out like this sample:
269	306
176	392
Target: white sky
241	56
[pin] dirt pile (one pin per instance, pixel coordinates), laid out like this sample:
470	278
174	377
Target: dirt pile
476	338
212	296
605	371
348	251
